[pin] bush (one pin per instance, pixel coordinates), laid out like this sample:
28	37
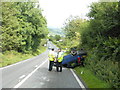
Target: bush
104	61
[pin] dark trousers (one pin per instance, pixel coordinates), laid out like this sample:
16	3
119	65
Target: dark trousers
51	63
82	61
59	66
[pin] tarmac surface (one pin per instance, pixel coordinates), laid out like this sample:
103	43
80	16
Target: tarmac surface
33	73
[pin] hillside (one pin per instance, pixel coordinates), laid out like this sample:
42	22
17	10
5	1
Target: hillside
56	31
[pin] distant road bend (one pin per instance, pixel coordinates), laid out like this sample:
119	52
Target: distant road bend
33	73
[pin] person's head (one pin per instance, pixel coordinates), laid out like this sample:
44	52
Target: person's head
81	49
52	49
59	50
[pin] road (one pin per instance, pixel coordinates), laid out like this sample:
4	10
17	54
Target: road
33	73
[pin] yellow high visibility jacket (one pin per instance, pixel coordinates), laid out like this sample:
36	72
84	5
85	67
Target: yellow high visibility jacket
60	56
51	56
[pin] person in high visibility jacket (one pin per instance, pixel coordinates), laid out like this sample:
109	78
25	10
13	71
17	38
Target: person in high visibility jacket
59	59
51	56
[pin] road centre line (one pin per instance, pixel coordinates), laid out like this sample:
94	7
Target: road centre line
21	76
36	66
78	80
20	83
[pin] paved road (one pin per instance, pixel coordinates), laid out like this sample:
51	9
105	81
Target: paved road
14	74
45	79
33	73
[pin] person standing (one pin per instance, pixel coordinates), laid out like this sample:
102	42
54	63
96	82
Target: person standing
51	59
83	54
59	59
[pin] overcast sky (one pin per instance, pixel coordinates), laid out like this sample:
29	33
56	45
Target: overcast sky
57	11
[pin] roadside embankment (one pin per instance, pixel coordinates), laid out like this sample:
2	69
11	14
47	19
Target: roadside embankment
11	57
90	79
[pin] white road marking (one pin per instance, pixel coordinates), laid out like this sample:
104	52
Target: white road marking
78	80
44	78
48	80
42	83
21	76
36	66
1	79
19	84
18	63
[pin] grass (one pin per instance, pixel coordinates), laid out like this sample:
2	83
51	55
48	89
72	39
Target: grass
90	79
12	57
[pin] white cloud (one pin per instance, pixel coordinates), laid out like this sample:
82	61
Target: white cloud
57	11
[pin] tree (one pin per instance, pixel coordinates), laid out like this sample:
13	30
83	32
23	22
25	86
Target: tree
57	37
23	26
10	27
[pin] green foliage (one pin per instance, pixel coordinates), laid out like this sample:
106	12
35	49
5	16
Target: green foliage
11	57
72	27
101	39
10	24
105	18
105	69
55	38
90	79
100	36
23	27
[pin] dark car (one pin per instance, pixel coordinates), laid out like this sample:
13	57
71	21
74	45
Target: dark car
74	59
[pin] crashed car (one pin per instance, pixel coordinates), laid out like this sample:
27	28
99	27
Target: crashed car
75	58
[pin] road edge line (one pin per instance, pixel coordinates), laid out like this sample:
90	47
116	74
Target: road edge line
20	83
17	63
34	57
78	80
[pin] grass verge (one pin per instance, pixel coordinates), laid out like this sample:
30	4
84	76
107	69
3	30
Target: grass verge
12	57
90	79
